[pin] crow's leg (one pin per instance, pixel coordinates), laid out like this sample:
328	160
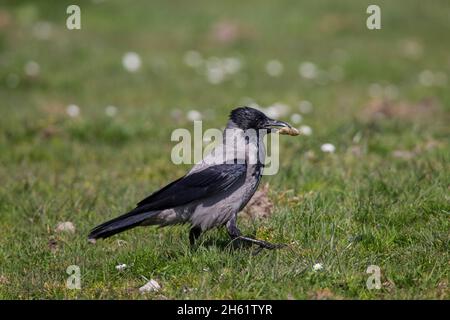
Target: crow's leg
236	235
194	234
232	228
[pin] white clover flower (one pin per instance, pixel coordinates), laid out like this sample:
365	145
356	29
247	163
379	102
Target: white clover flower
215	75
131	61
308	70
296	118
426	78
231	65
317	267
73	110
305	106
328	147
277	110
194	115
274	68
32	69
121	267
150	286
193	59
111	111
218	69
305	130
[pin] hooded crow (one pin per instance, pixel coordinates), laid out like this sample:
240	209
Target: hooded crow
213	192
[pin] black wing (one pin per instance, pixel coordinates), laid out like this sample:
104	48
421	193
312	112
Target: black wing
196	186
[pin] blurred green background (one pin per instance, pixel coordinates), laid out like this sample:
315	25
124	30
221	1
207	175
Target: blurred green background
86	117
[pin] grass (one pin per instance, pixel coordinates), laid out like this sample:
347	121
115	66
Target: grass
360	206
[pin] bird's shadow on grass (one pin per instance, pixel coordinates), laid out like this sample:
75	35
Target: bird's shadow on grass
221	244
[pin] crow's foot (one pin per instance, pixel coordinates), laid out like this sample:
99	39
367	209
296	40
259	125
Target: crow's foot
261	243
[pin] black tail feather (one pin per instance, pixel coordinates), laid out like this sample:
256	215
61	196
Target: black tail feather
117	225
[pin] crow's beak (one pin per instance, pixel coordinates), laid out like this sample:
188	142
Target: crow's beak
283	127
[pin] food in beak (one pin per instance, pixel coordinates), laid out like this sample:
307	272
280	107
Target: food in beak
289	131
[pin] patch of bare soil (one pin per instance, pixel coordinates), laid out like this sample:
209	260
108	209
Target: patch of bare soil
323	294
260	206
379	109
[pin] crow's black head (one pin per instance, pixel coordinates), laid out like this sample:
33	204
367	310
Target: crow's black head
248	118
